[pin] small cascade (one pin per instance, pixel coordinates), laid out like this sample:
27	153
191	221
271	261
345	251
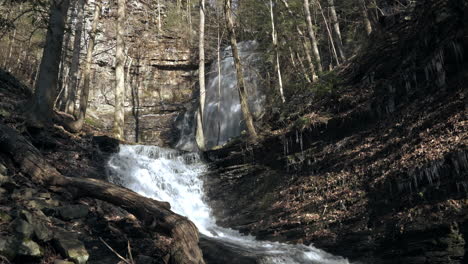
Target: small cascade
175	177
222	119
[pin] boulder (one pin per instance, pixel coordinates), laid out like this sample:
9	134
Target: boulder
23	228
71	248
38	222
29	248
73	211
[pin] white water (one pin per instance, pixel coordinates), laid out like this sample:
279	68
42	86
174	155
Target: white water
175	177
222	117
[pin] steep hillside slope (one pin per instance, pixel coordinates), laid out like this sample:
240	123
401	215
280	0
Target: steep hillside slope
378	169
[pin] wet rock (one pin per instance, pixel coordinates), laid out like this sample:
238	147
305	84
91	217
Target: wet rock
73	211
106	144
29	248
71	248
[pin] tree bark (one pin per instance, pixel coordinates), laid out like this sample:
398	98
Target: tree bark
77	125
311	35
152	213
75	61
41	113
274	37
330	36
200	138
119	114
336	30
306	48
240	77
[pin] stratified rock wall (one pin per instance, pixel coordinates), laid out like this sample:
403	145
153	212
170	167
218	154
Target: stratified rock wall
159	73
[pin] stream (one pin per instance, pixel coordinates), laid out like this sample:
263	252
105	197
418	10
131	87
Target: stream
176	177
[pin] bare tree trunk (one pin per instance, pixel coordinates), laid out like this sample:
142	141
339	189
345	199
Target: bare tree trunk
311	35
62	86
119	114
306	48
365	16
336	30
240	78
77	125
330	37
41	113
274	37
200	138
75	61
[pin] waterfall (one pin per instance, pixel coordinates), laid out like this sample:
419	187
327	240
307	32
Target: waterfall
175	177
222	119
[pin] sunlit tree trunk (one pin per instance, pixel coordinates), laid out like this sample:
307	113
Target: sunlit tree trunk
200	138
336	30
306	48
41	112
62	85
311	35
240	78
80	117
75	61
274	37
119	114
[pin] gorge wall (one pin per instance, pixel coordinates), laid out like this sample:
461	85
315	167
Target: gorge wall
160	73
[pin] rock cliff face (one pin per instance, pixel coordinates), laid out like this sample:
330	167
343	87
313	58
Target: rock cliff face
377	171
159	73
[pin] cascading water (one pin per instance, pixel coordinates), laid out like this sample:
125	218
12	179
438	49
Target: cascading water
175	177
222	119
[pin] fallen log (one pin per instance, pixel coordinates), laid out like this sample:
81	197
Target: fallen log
155	214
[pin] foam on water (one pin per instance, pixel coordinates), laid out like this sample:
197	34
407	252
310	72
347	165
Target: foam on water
173	176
